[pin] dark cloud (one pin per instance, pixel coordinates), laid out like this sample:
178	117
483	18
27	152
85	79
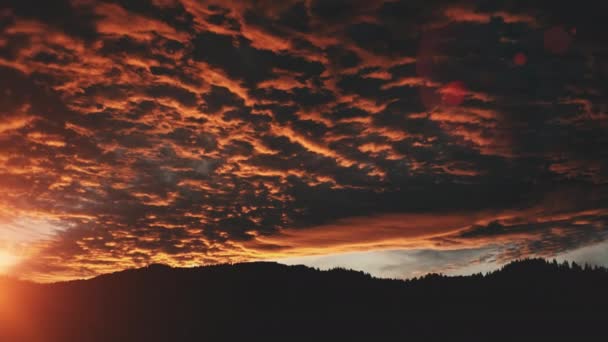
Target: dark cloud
237	58
69	16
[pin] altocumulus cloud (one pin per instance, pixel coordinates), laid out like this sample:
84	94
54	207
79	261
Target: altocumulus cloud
192	132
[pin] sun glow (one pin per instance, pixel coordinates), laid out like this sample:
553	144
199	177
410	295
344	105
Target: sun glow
7	260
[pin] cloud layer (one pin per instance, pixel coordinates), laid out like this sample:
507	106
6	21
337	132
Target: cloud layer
192	132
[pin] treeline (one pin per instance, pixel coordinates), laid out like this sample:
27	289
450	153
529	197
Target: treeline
530	300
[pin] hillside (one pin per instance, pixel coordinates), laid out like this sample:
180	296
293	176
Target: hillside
526	300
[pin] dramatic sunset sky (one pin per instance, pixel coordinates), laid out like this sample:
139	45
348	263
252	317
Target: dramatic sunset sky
394	137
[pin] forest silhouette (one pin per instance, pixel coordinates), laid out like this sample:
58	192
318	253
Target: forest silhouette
527	300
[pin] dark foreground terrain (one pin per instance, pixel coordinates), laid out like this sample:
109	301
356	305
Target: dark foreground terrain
530	300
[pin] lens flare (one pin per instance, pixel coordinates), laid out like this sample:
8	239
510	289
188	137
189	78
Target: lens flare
454	93
520	59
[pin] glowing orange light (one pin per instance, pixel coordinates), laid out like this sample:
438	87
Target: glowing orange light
520	59
7	260
453	93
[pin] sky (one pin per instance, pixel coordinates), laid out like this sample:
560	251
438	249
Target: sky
394	137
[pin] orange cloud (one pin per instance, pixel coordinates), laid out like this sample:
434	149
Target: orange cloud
362	234
117	21
462	14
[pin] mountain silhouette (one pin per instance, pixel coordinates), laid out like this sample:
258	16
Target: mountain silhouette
528	300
